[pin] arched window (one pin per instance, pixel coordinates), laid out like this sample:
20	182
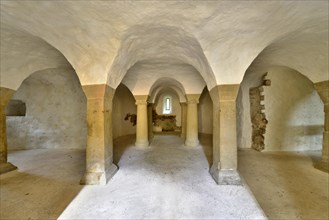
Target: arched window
167	105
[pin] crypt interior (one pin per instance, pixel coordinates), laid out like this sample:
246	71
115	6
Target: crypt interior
164	110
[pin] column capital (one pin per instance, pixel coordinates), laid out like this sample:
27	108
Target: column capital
192	98
141	99
99	91
323	90
224	93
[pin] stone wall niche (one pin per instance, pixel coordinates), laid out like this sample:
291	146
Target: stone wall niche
16	108
257	114
54	115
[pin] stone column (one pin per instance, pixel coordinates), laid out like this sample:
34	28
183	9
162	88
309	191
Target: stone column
192	120
141	126
149	121
183	118
323	89
99	151
5	96
224	167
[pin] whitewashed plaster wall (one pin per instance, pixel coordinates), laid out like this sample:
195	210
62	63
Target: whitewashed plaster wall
244	126
294	112
123	103
205	112
293	109
175	105
55	112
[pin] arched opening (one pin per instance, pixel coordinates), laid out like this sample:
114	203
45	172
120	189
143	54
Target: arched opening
167	112
55	112
124	112
48	143
291	140
152	77
205	122
124	122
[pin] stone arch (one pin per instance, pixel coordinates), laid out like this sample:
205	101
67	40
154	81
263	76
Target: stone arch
302	49
145	42
297	125
167	83
170	86
154	98
36	53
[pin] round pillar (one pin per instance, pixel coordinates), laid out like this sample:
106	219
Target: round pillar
192	121
141	126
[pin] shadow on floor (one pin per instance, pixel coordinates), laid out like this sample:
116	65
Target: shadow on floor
207	147
41	188
120	145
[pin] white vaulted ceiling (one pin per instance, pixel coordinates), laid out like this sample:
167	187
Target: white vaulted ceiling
146	75
103	40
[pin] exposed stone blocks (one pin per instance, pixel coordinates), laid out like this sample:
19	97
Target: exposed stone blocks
257	114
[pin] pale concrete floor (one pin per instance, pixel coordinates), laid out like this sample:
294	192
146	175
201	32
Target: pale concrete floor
286	184
166	180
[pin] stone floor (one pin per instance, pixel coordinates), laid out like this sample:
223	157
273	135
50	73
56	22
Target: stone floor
44	184
285	184
166	180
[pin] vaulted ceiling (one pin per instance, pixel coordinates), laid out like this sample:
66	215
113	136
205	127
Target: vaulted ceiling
105	41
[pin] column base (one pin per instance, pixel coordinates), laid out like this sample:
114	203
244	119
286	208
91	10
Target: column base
150	139
190	143
98	178
322	165
6	167
226	177
142	144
